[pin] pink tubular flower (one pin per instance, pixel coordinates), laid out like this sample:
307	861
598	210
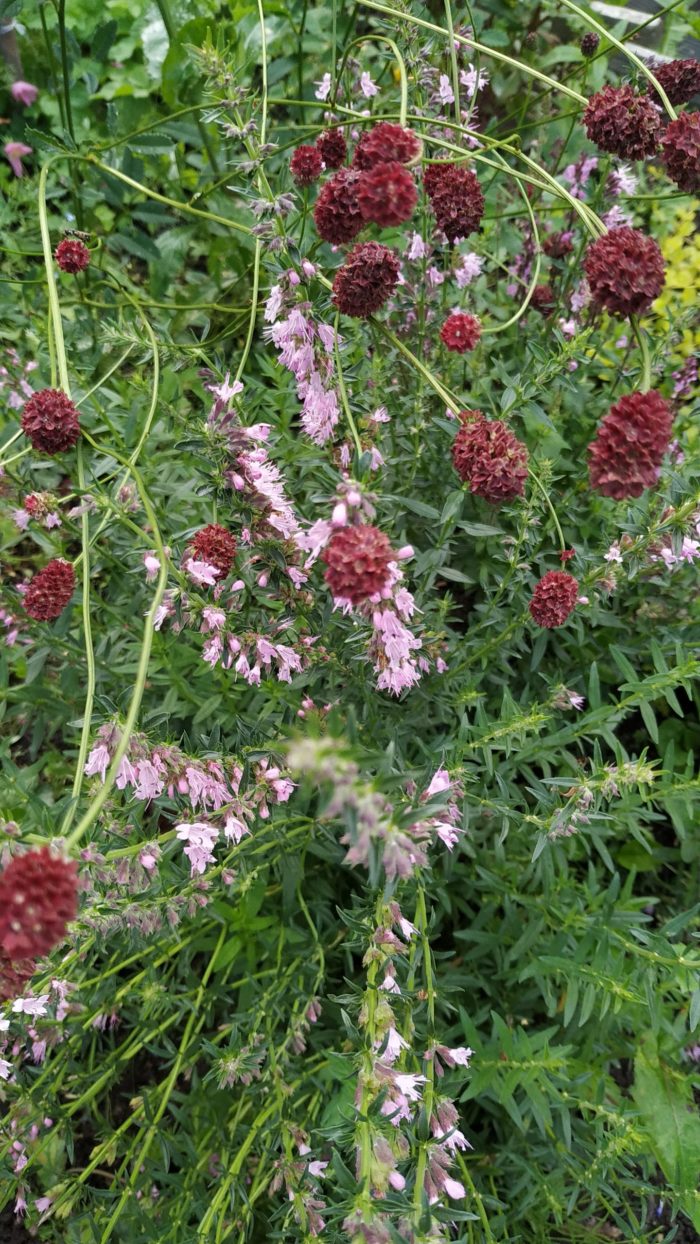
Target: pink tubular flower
14	152
200	839
24	93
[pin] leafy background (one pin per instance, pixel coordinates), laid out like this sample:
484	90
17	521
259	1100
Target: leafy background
569	964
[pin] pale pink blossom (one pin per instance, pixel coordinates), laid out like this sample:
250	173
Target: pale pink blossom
14	152
473	80
440	781
445	93
469	268
24	92
367	86
417	248
152	565
323	88
97	761
200	839
200	572
31	1006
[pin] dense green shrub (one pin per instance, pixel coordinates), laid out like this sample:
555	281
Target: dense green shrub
387	908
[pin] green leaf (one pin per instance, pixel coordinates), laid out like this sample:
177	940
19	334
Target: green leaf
665	1101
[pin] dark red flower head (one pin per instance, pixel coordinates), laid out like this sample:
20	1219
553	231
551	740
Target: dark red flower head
337	212
457	202
433	175
50	590
680	80
680	147
554	598
71	255
558	245
387	194
50	420
386	143
38	898
589	43
14	974
366	279
619	120
489	458
358	562
306	165
215	545
333	148
625	271
460	332
543	299
630	444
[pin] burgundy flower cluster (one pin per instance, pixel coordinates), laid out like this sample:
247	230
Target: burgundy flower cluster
38	899
456	198
489	458
50	590
630	444
50	421
357	560
216	546
629	124
377	189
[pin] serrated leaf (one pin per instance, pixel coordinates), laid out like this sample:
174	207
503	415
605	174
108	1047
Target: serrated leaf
669	1115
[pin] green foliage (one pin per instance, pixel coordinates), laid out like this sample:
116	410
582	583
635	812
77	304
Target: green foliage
559	938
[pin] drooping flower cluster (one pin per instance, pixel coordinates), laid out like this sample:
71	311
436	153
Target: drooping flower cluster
680	149
366	280
680	79
630	444
625	271
50	421
489	458
622	122
306	350
50	591
554	598
456	198
212	788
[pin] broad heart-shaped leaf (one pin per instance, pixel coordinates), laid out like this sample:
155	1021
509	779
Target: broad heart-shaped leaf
671	1119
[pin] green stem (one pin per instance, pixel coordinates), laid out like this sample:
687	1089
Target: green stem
96	805
453	61
343	391
472	43
643	343
62	363
159	198
548	502
591	21
403	106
